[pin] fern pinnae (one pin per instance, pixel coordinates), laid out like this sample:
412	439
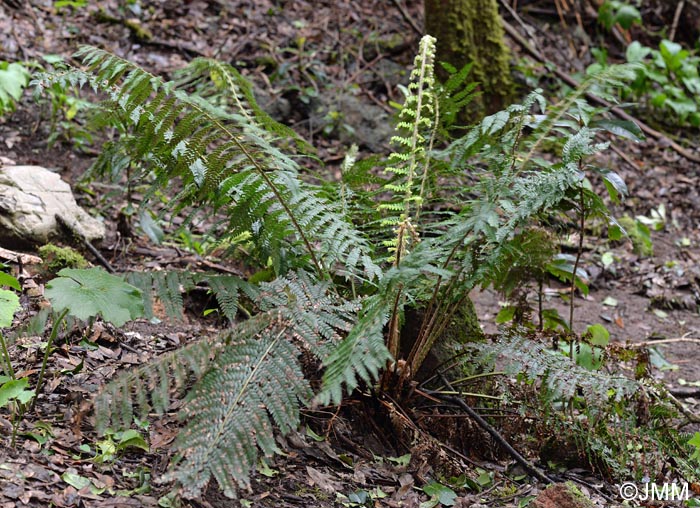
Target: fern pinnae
187	144
611	75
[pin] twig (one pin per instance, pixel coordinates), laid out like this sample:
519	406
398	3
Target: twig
588	485
407	17
530	468
529	29
62	221
663	341
684	391
19	257
676	18
624	156
661	138
692	417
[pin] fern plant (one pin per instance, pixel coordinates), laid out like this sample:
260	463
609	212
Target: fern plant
334	296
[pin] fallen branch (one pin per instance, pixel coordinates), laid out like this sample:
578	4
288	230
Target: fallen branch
663	341
19	257
529	467
661	138
66	224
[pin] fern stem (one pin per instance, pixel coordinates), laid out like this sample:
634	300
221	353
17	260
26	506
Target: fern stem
540	311
52	337
6	357
579	251
249	379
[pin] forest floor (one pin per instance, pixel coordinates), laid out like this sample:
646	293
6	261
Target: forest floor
329	69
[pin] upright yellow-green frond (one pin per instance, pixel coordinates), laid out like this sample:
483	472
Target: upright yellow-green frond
409	163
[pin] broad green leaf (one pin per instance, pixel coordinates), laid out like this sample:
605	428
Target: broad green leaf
506	314
91	292
623	128
75	480
151	227
444	495
9	303
636	52
695	443
15	389
627	15
131	439
600	336
13	79
8	280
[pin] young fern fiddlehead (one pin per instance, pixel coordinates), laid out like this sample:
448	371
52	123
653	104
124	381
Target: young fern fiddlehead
410	165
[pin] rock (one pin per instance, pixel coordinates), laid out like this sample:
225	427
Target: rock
30	199
562	495
370	126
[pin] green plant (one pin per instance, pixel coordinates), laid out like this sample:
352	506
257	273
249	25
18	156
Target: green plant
667	82
350	270
57	258
14	78
615	12
84	294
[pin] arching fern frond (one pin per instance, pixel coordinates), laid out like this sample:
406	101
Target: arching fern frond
168	286
247	382
564	379
229	161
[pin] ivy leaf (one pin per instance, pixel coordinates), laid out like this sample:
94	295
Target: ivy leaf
9	303
87	293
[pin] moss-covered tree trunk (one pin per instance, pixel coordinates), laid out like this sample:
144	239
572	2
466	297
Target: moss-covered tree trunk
471	31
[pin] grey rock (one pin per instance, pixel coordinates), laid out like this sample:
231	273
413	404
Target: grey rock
371	126
30	199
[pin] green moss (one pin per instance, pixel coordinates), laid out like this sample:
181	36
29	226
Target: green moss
639	234
57	258
471	31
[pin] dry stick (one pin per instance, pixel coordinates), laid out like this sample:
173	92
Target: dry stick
676	18
407	17
663	341
661	138
684	391
530	468
692	417
86	242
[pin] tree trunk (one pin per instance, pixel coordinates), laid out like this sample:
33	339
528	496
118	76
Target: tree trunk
471	31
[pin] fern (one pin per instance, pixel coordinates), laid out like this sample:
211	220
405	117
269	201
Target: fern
169	286
417	121
228	160
205	137
247	381
557	374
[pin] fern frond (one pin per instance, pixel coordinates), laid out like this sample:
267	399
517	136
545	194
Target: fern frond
169	286
556	373
247	382
154	385
415	133
228	160
363	353
255	383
